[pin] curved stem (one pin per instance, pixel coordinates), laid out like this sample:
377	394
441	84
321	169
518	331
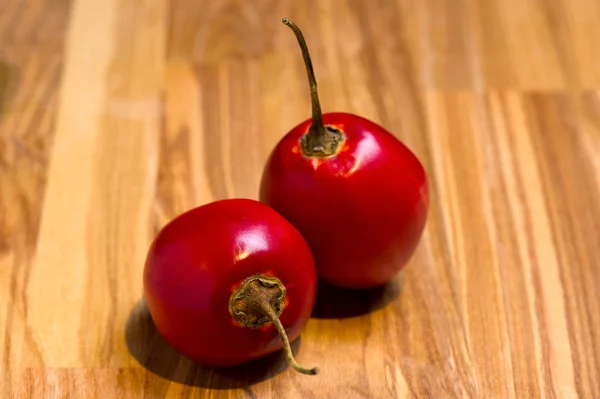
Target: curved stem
270	313
317	116
259	300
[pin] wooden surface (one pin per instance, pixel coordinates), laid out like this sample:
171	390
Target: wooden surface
115	116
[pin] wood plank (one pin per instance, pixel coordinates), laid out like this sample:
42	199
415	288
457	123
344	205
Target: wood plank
106	143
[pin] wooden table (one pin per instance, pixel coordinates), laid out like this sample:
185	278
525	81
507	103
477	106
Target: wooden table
115	116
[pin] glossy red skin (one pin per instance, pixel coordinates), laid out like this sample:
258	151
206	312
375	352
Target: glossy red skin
362	211
198	260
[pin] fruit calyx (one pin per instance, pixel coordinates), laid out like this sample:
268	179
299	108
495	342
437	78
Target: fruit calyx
259	300
321	140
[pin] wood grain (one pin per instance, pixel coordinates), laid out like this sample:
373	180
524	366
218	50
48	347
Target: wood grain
116	116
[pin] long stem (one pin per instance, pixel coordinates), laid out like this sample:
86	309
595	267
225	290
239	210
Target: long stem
317	116
270	313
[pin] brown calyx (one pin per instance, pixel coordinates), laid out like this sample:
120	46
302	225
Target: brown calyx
323	142
259	300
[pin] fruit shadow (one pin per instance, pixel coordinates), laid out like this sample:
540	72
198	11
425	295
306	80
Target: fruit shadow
147	346
339	303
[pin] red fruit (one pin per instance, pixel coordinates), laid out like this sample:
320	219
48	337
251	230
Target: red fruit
358	195
221	280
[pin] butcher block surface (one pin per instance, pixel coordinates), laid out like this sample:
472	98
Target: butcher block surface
116	116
